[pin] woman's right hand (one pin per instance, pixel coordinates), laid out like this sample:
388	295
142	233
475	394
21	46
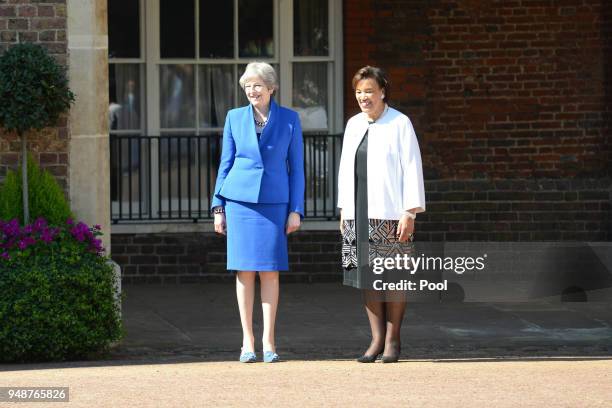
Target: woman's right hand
220	227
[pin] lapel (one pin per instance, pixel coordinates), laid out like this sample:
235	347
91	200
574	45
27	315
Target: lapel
361	131
270	126
251	135
364	126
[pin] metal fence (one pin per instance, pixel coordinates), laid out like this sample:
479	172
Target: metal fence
172	177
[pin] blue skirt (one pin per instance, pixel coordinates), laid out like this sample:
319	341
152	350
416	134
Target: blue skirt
256	238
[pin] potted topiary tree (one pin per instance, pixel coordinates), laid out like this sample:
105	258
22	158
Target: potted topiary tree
34	93
59	291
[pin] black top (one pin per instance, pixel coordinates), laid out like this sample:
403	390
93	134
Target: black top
361	214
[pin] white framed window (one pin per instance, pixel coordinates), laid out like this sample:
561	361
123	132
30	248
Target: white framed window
313	62
174	68
127	100
193	52
196	51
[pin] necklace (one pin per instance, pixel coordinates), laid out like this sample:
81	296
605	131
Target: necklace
261	124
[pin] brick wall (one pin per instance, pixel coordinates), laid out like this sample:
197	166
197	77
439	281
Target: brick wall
511	101
517	210
200	257
496	89
43	23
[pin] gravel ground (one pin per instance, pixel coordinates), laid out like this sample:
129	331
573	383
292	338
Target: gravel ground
512	382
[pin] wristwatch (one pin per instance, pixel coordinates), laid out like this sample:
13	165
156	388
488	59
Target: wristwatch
219	210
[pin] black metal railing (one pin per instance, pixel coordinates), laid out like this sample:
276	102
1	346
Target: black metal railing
172	177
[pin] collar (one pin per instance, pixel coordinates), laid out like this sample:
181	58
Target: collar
271	112
384	112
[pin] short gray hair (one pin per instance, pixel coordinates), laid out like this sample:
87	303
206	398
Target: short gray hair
262	70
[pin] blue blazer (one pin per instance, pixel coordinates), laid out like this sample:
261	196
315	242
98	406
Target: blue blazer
268	171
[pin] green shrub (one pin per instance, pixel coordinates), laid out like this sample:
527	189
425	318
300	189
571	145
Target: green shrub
10	197
57	293
47	199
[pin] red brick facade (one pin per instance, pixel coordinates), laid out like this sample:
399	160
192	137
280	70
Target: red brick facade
43	23
496	89
511	101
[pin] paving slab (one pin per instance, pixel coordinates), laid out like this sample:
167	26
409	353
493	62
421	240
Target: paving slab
327	320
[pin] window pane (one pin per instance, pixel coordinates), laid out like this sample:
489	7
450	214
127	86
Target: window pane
242	99
123	29
310	28
216	94
124	96
310	94
177	96
216	29
256	28
177	29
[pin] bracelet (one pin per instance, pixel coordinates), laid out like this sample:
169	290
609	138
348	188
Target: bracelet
410	215
219	210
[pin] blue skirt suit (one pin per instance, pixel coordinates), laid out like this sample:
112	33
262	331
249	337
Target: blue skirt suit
260	181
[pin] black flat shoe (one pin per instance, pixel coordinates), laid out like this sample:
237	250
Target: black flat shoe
394	357
390	359
368	358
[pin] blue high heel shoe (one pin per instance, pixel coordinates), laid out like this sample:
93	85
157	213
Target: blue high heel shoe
247	357
270	357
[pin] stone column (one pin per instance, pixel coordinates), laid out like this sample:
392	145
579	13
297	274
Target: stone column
89	172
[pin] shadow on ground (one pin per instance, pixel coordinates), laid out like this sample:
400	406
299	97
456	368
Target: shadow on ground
326	321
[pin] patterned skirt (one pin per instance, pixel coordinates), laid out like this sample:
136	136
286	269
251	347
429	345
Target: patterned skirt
382	243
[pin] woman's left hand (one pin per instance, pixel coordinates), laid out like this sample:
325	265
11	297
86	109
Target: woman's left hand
405	228
293	222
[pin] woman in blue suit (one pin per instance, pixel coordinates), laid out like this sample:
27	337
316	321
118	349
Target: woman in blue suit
259	199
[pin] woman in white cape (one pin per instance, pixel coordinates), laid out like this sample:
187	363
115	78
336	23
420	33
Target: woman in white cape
380	193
